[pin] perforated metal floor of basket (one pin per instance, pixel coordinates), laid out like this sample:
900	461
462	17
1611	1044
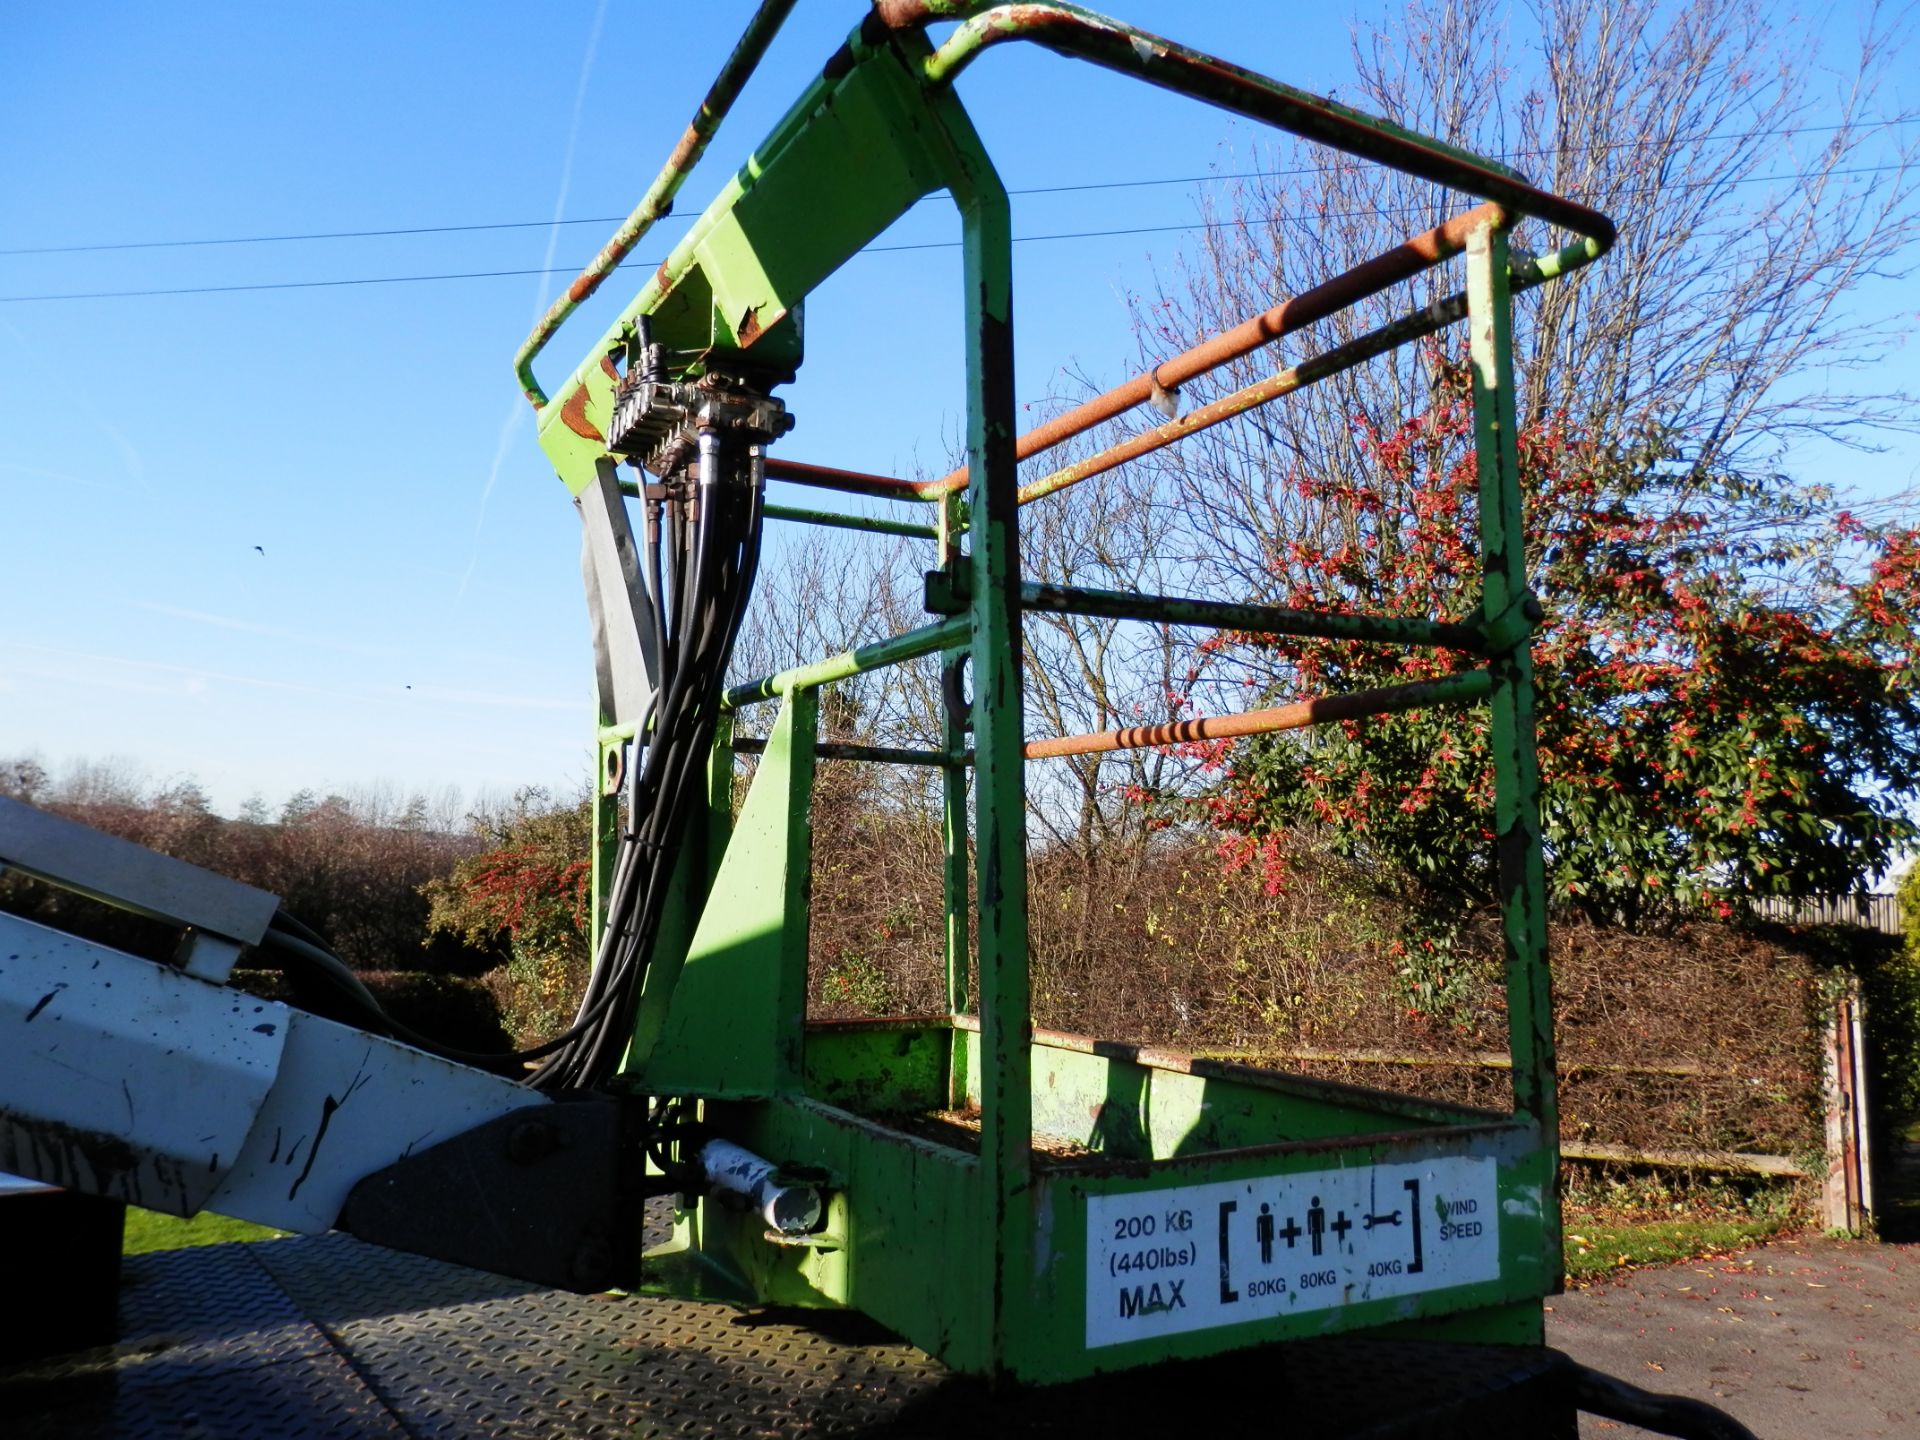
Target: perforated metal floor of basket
327	1336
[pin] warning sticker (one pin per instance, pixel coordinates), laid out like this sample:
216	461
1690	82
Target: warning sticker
1164	1261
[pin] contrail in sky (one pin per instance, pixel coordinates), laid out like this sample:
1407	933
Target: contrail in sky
511	424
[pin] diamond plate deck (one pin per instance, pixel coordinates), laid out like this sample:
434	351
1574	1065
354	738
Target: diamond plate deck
328	1336
211	1347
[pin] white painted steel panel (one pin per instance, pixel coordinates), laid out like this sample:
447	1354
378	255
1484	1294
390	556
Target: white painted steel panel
78	857
1197	1256
344	1105
124	1078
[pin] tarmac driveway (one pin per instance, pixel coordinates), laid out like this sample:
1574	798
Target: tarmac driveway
1819	1338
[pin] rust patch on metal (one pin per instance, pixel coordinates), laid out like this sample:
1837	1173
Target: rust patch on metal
573	415
1296	716
693	140
851	482
749	329
867	1024
901	14
609	369
662	282
1418	253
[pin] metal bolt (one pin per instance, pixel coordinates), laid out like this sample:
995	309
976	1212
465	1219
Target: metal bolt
530	1141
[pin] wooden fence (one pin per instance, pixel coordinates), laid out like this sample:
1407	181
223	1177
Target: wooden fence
1846	1189
1875	912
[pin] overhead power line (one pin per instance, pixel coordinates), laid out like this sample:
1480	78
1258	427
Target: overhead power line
643	266
288	285
307	235
867	250
397	231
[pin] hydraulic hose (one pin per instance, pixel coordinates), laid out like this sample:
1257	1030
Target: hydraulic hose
709	566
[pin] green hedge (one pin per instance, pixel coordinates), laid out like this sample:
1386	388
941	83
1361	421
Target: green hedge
451	1008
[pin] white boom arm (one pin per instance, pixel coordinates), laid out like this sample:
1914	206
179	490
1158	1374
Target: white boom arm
154	1085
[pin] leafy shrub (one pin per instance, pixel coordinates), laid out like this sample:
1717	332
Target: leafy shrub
1724	709
352	868
526	896
455	1010
856	982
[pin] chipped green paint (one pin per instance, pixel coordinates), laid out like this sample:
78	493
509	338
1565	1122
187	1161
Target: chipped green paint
1516	772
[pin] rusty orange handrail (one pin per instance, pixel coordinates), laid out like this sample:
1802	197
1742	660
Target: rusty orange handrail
1454	689
1405	261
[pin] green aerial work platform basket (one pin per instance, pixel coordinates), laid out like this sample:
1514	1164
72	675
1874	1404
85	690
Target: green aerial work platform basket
1083	1206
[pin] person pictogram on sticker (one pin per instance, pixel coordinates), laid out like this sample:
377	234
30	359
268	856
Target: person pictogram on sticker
1317	1224
1263	1232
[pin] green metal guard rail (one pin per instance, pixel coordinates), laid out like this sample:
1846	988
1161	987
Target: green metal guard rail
903	80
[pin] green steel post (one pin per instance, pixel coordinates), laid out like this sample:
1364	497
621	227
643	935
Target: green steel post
956	873
1516	766
1006	1102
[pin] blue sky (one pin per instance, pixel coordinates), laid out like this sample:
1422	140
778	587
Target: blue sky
412	613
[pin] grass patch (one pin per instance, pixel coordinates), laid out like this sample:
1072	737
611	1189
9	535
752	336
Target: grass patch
148	1230
1594	1249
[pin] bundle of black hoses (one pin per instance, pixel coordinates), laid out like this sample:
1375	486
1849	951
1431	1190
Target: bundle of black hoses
699	597
709	586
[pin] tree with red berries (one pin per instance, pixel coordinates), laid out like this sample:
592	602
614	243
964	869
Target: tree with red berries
1727	665
1703	733
528	893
